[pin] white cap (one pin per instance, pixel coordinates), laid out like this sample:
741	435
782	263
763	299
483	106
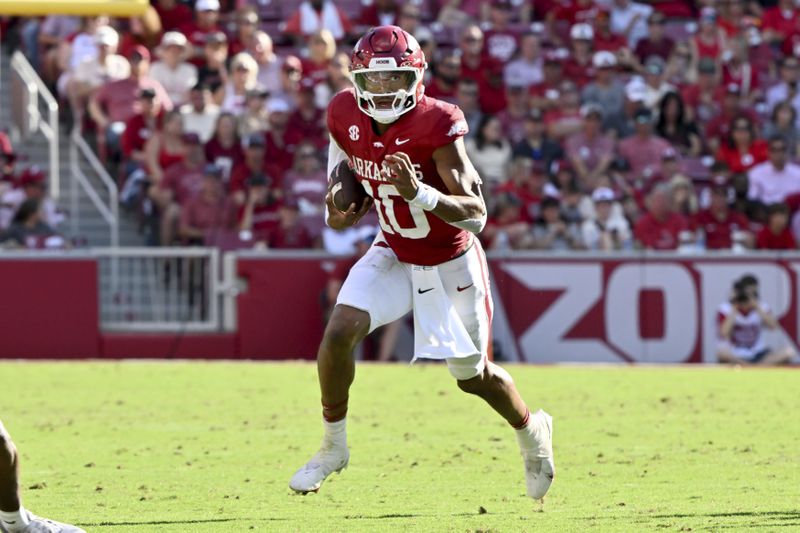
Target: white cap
604	59
581	31
277	105
174	38
603	194
207	5
106	35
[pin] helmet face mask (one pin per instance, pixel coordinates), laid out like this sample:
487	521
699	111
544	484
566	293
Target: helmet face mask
386	69
386	94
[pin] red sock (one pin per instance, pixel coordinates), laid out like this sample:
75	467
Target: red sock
335	412
524	422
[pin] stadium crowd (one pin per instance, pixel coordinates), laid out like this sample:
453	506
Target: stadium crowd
595	125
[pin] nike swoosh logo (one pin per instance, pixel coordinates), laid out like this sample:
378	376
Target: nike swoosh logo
420	291
398	142
460	289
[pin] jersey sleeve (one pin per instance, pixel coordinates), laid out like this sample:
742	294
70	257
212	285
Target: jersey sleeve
448	126
333	118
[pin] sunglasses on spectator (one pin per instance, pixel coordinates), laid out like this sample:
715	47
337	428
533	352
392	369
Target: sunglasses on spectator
472	39
410	16
777	148
308	154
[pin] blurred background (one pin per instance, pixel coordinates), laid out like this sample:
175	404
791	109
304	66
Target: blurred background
163	173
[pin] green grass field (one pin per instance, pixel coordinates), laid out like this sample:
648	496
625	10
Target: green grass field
196	447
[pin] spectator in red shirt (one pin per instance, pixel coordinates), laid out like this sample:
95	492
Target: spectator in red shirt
719	223
565	119
259	215
308	121
657	43
116	101
314	15
604	38
731	17
181	181
173	14
379	13
321	51
643	149
709	41
290	234
502	40
660	228
141	126
165	147
307	183
507	227
780	21
545	95
567	14
739	70
281	141
485	70
513	116
579	67
719	128
776	234
701	97
207	213
446	73
253	164
590	151
206	17
742	150
246	27
224	149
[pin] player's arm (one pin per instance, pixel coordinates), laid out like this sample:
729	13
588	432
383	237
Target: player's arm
463	207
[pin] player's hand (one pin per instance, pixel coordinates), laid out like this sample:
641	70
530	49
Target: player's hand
399	170
344	219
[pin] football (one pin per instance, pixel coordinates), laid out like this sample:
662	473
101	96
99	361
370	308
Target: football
345	187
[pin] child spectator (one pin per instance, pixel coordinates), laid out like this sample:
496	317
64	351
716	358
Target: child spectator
776	235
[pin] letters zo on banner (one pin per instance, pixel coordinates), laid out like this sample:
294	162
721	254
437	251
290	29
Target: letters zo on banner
657	309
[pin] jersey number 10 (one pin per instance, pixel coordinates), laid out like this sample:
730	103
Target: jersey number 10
390	204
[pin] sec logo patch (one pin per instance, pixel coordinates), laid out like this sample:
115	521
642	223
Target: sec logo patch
354	133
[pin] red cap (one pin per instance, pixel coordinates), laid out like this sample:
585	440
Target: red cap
32	176
140	51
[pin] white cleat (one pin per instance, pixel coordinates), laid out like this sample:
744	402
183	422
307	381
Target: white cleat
540	469
38	524
311	475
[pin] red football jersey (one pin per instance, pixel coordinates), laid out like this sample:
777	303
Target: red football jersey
415	236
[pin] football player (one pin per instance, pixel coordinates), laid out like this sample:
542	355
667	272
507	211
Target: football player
407	151
13	517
